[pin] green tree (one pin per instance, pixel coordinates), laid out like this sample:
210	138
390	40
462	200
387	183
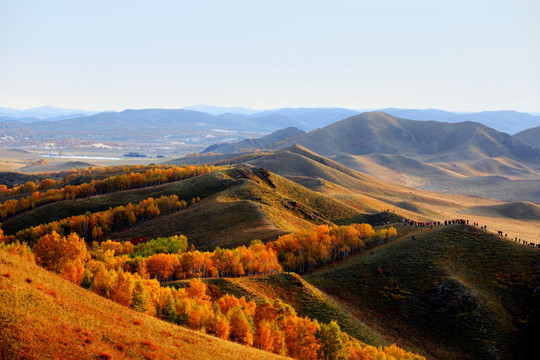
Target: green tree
169	309
140	296
333	342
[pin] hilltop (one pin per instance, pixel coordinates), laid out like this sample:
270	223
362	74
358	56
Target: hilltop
430	155
507	121
254	204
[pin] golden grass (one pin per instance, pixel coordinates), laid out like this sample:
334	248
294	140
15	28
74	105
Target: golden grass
45	317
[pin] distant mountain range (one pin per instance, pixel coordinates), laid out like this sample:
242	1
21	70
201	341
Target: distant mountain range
48	113
219	110
187	120
507	121
239	118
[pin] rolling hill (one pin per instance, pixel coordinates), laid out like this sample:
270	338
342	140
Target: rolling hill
530	137
369	194
513	210
455	292
237	206
452	292
255	204
176	119
430	155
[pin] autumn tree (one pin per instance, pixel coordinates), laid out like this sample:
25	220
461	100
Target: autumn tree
140	296
55	252
221	327
197	291
161	266
168	310
104	281
240	327
300	338
269	337
122	290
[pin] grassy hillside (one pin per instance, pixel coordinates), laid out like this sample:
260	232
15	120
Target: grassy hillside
514	210
454	292
45	317
277	191
256	204
238	205
429	155
380	133
360	191
210	223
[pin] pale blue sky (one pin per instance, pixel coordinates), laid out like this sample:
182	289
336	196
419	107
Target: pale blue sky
97	55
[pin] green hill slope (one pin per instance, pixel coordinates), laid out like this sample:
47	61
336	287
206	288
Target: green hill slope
453	293
255	204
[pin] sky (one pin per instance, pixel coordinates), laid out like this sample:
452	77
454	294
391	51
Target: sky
112	55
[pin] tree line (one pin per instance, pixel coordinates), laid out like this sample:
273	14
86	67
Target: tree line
66	176
171	258
115	183
94	226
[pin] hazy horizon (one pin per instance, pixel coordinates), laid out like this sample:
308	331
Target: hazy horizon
188	107
457	56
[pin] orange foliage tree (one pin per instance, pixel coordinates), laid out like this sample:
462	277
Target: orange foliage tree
62	254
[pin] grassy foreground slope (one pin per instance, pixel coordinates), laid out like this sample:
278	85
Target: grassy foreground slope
452	293
45	317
